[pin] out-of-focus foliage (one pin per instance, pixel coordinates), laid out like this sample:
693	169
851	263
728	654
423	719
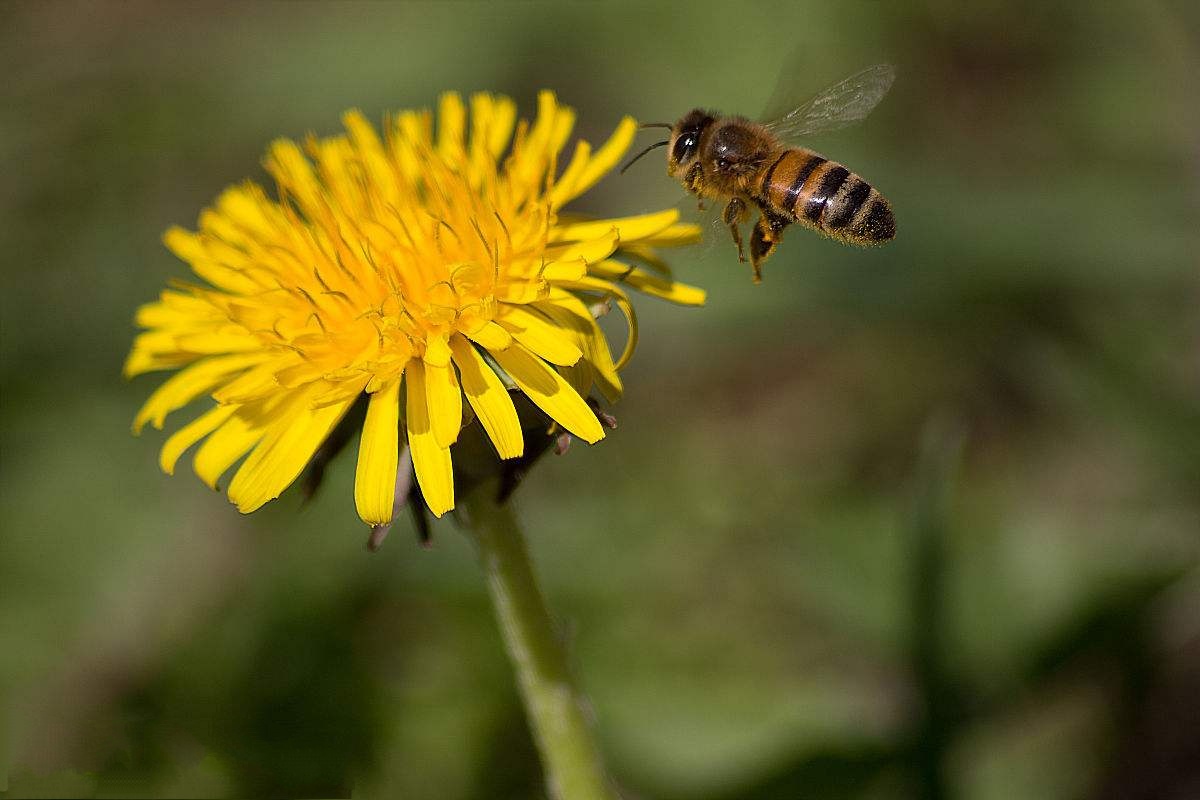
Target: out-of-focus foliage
920	521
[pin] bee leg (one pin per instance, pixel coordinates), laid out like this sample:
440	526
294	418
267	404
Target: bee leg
768	232
734	215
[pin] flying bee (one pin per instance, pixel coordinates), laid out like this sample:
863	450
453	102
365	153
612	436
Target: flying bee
750	164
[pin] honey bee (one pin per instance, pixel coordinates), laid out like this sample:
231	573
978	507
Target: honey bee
750	164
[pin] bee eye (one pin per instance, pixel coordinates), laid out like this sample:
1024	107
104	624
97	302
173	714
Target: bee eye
723	163
685	146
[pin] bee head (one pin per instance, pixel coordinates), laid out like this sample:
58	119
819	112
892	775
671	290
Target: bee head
685	141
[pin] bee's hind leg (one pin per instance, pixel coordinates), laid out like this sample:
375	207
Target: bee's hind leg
768	232
734	215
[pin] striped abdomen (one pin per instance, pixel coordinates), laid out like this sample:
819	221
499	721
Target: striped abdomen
823	194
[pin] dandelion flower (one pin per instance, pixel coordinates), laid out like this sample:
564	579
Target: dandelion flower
418	268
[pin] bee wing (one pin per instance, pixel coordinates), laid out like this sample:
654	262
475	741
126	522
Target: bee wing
837	106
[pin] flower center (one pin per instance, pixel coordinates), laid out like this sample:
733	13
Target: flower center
391	266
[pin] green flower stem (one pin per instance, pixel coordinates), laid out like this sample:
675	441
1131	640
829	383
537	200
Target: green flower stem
553	702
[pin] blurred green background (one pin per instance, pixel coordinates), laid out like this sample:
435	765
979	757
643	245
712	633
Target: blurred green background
916	522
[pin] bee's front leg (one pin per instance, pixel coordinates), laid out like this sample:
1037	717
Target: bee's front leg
734	215
691	181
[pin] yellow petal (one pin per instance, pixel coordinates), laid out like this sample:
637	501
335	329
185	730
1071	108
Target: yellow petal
604	160
227	444
683	233
190	248
649	258
291	169
452	119
649	283
622	299
543	123
467	279
252	384
191	433
139	362
444	401
175	309
278	459
570	312
550	392
378	454
487	395
571	270
336	392
185	386
491	336
523	291
246	205
370	152
413	134
563	187
158	343
296	375
581	376
230	339
437	352
540	335
504	115
431	461
629	228
590	250
564	121
362	133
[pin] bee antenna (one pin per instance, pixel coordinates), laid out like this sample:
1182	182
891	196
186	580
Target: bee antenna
666	125
629	163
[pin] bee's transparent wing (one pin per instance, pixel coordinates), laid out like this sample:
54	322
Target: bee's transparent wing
842	104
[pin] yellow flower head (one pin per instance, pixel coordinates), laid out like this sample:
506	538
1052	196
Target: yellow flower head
416	268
